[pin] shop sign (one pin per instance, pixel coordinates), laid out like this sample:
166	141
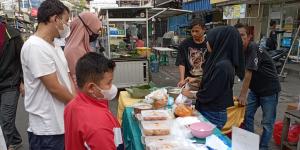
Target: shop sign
288	26
217	1
234	11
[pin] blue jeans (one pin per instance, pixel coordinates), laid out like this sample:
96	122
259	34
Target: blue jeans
46	142
268	105
8	109
217	118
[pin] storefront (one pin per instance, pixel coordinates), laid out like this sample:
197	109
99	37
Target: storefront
119	35
287	17
259	14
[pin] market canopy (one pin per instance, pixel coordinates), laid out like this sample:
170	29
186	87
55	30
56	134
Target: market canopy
140	12
166	12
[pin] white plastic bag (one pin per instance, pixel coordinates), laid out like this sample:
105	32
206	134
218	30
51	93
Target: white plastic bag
156	95
180	99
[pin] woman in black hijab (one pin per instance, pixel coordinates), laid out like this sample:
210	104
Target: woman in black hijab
225	59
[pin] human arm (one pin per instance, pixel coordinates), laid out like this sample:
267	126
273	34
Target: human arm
180	62
74	91
244	91
52	84
251	65
18	45
42	66
181	76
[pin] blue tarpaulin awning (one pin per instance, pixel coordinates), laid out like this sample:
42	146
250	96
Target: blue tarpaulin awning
197	5
175	22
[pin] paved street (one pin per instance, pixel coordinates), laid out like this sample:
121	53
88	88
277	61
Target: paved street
168	76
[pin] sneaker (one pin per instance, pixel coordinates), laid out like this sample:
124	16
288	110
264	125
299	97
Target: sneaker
14	147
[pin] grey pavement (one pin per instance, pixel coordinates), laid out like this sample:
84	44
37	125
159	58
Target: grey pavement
168	76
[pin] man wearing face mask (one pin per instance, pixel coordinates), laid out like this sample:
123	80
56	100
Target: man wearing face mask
88	122
84	31
48	85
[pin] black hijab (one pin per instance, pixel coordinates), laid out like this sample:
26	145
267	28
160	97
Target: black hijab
226	43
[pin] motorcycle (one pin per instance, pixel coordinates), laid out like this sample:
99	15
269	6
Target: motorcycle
278	55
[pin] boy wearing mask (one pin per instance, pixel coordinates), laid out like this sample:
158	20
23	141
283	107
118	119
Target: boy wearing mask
88	122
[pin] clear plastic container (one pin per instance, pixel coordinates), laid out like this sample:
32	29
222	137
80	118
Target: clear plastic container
170	144
155	128
152	115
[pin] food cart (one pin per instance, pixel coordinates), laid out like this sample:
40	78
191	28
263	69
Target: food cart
120	29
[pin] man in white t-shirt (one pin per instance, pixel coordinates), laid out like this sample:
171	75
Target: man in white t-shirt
48	86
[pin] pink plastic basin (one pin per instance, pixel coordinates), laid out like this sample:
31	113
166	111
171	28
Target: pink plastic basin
202	129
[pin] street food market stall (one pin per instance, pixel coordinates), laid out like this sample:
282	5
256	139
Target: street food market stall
121	27
165	124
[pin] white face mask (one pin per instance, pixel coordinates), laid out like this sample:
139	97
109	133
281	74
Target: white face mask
65	32
108	94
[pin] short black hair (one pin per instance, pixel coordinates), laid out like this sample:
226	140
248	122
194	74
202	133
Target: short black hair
50	8
272	23
245	26
91	67
139	36
199	22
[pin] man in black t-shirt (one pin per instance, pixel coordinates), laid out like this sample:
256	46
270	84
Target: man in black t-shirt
262	80
191	54
272	40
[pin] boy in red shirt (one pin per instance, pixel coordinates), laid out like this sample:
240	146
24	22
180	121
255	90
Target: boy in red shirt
88	122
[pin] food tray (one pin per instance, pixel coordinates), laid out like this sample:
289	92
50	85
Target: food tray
155	128
152	115
170	144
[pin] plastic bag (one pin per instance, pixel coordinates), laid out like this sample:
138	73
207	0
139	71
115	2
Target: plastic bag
180	99
156	95
293	135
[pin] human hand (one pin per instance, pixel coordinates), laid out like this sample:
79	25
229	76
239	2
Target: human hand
187	93
242	100
21	89
181	83
191	80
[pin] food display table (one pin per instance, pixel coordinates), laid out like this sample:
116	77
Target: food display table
235	113
132	134
124	101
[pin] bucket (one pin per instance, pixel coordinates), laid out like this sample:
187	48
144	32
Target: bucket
154	66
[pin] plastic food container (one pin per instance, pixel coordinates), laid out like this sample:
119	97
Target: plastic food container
138	107
202	129
155	128
170	144
150	139
174	91
152	115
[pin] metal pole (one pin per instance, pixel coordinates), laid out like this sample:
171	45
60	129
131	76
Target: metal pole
108	34
296	35
147	32
298	52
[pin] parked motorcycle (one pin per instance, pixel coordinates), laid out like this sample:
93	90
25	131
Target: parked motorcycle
278	55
